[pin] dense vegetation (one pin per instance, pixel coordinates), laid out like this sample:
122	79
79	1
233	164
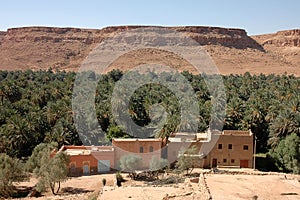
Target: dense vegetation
36	107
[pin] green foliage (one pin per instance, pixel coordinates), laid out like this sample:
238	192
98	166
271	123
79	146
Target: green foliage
35	107
158	164
119	178
287	154
130	163
11	171
49	168
115	132
187	160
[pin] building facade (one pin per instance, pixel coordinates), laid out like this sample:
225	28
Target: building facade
88	160
229	148
146	148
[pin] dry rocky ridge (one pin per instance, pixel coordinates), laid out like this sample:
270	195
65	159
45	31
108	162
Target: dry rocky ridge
232	50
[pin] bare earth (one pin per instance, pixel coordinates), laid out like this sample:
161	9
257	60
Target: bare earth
273	187
232	50
220	186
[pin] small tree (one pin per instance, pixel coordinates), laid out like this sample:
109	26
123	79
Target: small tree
287	154
11	170
158	164
130	163
50	169
187	160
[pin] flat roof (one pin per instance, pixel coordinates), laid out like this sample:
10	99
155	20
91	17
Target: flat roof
85	150
76	152
137	139
237	132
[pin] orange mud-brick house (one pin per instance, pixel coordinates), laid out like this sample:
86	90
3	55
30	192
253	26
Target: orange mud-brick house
88	160
234	148
146	148
229	148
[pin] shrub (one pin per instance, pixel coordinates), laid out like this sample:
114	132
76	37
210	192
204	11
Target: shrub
119	178
11	171
104	181
130	163
158	164
186	160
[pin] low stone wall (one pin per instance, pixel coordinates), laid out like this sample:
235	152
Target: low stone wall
204	190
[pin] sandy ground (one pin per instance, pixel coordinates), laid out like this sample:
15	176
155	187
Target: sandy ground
140	192
75	188
221	187
265	187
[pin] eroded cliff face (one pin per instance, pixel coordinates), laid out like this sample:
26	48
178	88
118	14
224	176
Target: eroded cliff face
289	38
66	48
2	34
284	45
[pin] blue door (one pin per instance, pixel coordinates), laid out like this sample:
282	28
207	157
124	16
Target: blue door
103	166
86	169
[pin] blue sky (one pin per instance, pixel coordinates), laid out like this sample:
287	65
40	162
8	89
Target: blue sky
256	16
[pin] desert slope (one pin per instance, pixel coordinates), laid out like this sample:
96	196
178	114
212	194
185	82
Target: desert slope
232	49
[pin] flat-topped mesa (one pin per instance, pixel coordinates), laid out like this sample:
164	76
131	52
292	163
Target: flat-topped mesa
288	38
39	48
229	37
54	34
205	35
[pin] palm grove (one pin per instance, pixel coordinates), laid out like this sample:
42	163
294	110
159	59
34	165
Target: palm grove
36	107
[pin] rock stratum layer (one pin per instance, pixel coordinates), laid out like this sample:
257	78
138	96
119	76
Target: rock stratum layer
232	50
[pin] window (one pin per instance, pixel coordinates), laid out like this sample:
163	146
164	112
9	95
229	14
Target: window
224	160
229	146
232	160
141	150
219	146
151	149
245	147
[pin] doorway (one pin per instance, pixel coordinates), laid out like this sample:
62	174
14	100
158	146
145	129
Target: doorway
214	162
244	163
86	168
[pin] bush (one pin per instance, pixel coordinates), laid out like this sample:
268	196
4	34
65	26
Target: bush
130	163
158	164
119	178
11	171
186	160
104	181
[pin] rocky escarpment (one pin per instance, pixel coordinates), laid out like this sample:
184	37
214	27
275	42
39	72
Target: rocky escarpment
53	34
2	34
66	48
236	38
228	37
284	46
290	38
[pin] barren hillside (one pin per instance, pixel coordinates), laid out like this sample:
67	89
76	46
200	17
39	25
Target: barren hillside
232	49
